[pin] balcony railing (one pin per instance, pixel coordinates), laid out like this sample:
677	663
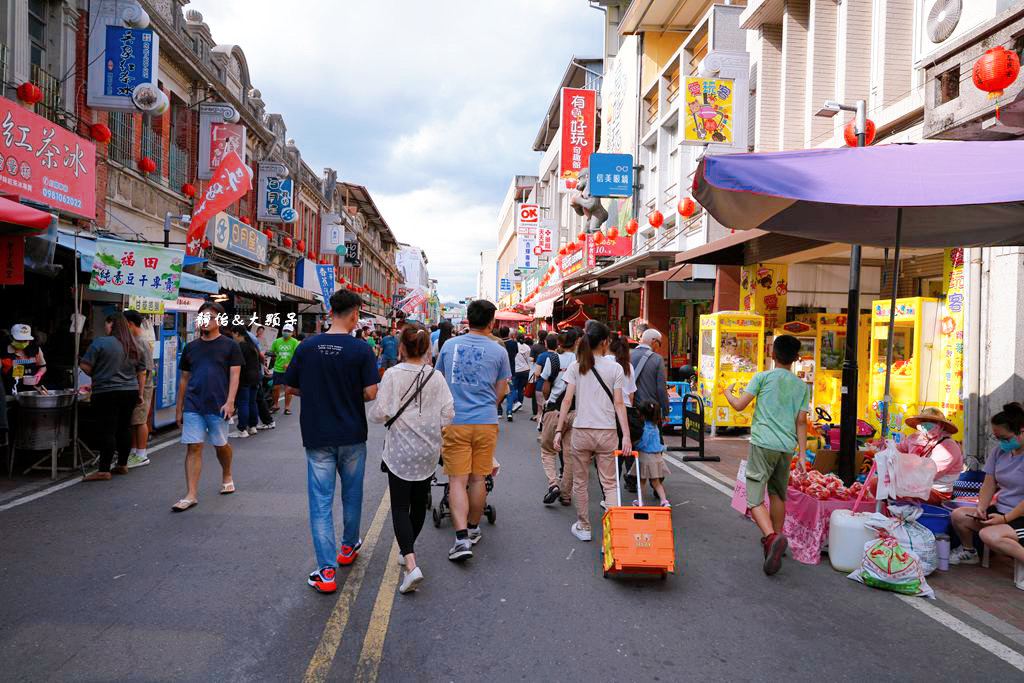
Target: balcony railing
3	70
178	167
50	106
122	139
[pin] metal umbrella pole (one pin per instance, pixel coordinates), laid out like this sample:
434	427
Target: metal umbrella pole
886	399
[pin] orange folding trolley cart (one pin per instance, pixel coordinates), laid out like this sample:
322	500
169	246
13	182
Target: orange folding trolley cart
637	540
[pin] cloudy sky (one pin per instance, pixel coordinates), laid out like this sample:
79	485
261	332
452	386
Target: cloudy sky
433	106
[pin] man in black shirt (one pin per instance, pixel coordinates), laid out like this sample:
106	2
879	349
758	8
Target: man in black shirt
210	370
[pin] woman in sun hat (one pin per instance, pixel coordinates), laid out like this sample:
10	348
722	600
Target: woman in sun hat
933	438
23	353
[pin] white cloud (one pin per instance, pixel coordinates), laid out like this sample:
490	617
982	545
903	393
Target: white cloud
433	106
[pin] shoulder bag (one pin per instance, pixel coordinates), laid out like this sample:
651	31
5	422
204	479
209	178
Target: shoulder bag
633	418
391	420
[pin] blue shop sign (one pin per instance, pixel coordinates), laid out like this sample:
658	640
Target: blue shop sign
129	60
232	235
325	276
611	175
278	200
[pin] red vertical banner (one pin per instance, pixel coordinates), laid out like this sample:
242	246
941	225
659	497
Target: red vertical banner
12	260
231	181
579	110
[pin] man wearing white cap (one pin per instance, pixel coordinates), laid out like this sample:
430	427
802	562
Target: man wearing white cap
282	349
22	360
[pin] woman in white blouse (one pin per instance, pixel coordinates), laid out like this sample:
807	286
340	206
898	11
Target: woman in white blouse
423	404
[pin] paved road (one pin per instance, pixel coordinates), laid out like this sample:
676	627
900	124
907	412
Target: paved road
102	582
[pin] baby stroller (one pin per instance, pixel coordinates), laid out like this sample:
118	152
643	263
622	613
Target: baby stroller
443	508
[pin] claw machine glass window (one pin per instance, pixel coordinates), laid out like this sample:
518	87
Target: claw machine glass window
828	380
730	352
804	366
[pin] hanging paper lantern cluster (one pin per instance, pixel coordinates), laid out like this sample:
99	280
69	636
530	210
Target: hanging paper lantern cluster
30	93
287	242
996	70
147	165
100	132
850	133
188	189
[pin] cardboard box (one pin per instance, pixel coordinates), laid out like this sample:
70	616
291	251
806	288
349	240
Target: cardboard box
827	462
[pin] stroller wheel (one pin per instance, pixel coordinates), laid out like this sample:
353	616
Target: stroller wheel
491	514
436	515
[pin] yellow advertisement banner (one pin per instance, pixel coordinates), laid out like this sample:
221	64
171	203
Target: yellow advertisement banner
951	340
763	290
708	111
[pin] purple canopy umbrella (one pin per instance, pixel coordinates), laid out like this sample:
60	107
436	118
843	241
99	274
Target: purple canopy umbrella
942	194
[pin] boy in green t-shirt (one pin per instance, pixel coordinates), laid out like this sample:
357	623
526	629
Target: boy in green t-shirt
283	349
779	428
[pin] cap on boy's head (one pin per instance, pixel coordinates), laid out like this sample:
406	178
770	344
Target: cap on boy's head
786	349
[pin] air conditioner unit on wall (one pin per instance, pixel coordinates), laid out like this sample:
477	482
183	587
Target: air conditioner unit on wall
942	22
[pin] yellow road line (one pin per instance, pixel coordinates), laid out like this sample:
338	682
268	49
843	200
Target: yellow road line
320	663
377	631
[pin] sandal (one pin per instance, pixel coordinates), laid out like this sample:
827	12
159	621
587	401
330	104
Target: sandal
97	476
227	488
184	504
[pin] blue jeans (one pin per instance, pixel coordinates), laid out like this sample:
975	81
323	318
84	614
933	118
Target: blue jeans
516	387
245	403
321	464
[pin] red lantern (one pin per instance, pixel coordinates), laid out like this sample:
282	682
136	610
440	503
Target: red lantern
244	219
613	233
581	237
599	238
342	280
655	218
632	227
205	243
850	135
29	93
563	251
686	207
287	242
269	234
996	70
301	245
147	165
188	189
100	133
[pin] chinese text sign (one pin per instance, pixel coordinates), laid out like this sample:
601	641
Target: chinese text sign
578	123
129	268
708	111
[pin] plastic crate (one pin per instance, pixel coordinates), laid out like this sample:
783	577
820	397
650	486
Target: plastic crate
938	520
638	540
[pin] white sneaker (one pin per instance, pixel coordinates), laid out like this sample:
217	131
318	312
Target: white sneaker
136	460
411	581
262	426
604	505
235	434
579	532
401	560
516	406
252	431
475	535
964	556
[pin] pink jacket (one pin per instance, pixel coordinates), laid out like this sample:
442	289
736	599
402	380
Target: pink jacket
944	452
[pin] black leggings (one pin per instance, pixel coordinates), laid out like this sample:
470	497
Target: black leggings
114	409
408	509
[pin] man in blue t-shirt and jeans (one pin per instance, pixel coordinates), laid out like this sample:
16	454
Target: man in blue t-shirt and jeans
477	370
210	368
335	374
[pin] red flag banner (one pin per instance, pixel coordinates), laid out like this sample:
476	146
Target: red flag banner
229	183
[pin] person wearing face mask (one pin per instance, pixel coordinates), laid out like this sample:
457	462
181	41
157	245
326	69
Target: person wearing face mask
22	359
933	439
999	515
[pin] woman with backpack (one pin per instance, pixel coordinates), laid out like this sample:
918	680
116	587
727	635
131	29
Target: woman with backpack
596	382
414	403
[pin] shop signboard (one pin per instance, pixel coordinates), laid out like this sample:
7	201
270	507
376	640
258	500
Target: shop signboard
128	60
574	261
169	372
579	108
545	235
128	268
611	175
231	182
224	139
525	258
764	290
12	259
527	219
219	135
232	235
708	112
332	234
46	163
184	304
275	203
147	305
325	276
505	284
620	246
951	340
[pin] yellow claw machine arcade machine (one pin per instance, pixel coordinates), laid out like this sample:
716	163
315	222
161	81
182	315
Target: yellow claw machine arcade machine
916	365
830	351
731	350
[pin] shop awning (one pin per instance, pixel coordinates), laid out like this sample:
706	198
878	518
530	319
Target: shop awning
234	282
748	246
511	316
194	283
19	219
292	292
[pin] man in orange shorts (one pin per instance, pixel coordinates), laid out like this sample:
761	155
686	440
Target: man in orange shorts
477	370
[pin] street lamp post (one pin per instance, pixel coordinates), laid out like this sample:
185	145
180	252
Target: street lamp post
848	396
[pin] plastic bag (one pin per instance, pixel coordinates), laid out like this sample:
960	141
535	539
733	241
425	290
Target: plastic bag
914	536
903	475
888	566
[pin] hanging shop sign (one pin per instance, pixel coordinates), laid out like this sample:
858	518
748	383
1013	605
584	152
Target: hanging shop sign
525	258
123	58
12	259
505	284
184	304
232	235
579	109
128	268
231	182
276	198
147	305
764	290
351	257
709	111
527	219
219	134
611	175
545	234
575	261
951	340
332	234
325	276
46	163
620	246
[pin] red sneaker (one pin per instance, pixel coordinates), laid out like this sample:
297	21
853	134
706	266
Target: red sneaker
348	555
774	548
323	580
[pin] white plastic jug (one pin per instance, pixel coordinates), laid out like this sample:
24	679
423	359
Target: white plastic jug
847	535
